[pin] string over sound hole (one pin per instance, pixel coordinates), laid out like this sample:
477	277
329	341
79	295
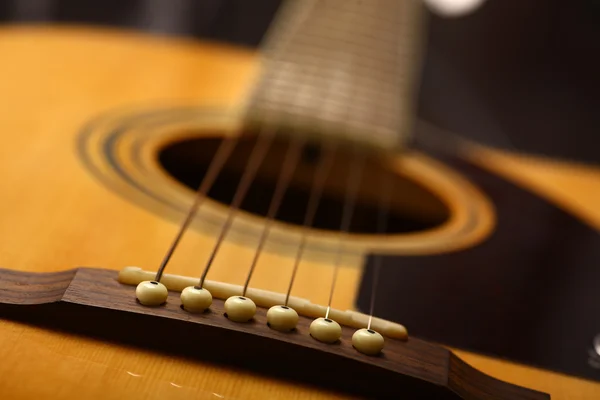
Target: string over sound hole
414	208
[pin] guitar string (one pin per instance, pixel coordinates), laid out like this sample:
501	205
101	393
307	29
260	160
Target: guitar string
320	177
214	168
321	172
275	204
257	155
354	179
248	174
382	224
353	184
288	167
209	179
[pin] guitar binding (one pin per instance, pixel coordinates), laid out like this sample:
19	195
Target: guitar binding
91	302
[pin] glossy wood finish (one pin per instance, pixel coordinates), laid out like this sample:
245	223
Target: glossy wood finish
93	302
55	216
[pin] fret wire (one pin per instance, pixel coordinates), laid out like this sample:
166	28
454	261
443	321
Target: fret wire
382	224
367	71
378	20
325	163
287	170
274	205
320	177
321	173
353	182
324	31
364	12
216	164
286	36
348	45
263	142
297	143
383	34
307	50
387	110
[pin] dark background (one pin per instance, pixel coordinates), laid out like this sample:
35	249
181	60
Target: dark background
521	74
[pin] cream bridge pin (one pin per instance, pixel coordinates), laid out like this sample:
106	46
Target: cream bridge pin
135	276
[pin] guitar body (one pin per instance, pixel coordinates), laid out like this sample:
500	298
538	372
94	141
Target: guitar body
64	206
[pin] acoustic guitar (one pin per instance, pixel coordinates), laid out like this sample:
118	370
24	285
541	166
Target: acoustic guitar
106	135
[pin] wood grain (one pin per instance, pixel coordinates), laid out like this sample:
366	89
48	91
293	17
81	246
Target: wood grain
92	301
54	216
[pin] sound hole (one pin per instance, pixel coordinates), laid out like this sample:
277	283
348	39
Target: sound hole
413	208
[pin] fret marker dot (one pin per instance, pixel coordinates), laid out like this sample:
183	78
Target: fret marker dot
325	330
195	299
368	342
151	293
282	318
239	309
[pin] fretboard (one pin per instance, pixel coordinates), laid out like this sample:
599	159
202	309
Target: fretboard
341	69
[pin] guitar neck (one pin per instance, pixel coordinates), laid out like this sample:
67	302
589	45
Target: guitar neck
342	70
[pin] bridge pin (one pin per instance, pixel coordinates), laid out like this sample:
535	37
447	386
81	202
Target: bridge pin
240	309
367	341
195	299
282	318
151	293
325	330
